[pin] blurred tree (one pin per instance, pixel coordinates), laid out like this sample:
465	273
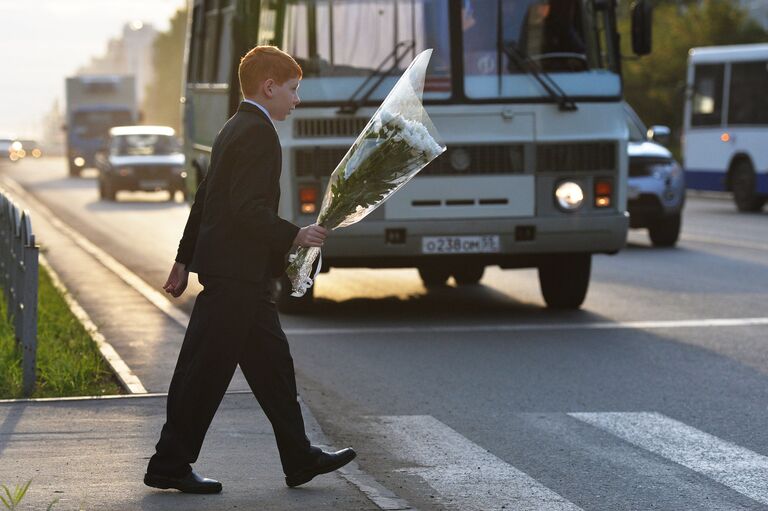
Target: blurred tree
161	104
655	85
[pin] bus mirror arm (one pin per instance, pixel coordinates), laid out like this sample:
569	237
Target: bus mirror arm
353	105
642	22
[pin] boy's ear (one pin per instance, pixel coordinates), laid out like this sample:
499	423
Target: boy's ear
268	87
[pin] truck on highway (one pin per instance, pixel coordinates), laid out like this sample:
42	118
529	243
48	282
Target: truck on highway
95	104
526	94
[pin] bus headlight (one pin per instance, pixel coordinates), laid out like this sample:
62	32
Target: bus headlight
569	196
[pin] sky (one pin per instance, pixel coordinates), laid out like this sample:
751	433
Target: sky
44	41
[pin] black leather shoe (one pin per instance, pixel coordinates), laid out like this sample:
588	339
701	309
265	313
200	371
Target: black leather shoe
190	483
324	463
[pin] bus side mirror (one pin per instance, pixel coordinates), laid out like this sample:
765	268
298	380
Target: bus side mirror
642	20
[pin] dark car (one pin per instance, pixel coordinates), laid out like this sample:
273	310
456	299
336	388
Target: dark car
141	158
656	185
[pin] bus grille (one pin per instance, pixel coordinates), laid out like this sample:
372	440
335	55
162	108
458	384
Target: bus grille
317	161
576	157
329	127
482	159
478	159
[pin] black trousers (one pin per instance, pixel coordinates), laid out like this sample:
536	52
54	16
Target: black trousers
233	322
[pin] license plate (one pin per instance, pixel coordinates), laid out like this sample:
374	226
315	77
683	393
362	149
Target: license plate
460	244
151	184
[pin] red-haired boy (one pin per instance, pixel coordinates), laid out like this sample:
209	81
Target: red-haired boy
235	241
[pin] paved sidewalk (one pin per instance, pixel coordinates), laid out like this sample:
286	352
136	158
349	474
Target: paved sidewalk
92	454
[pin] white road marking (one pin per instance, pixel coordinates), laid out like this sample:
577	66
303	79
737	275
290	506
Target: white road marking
464	475
602	325
727	463
160	301
726	242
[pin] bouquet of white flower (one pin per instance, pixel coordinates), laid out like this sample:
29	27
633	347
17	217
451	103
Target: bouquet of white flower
397	142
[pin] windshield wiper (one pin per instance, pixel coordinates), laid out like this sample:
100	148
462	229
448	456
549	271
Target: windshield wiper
353	105
526	63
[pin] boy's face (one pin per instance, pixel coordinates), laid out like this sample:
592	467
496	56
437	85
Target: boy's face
285	97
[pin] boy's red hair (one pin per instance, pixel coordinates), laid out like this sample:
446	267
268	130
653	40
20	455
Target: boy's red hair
262	63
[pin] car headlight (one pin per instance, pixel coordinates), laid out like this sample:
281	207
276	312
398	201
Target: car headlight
569	195
79	161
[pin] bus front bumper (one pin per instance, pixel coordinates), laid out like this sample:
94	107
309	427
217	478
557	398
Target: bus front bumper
521	241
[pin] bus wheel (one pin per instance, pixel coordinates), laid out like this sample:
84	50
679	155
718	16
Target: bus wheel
665	232
564	279
469	275
291	304
433	276
743	186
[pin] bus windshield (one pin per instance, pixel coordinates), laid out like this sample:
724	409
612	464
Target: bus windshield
563	38
340	43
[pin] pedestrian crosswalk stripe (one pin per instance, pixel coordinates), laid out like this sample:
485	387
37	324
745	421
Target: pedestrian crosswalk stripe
465	476
727	463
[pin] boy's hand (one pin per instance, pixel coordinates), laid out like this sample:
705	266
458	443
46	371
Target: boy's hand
177	280
311	236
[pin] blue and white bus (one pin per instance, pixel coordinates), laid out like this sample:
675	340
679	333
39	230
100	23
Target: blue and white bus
725	134
527	95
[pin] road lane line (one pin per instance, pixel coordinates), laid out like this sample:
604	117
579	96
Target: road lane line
464	475
724	242
601	325
729	464
160	301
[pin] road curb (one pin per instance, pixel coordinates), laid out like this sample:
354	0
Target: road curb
125	375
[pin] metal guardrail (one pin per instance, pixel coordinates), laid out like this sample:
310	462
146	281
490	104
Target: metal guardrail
19	279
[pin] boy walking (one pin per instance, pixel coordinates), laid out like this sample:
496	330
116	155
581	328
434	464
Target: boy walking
236	243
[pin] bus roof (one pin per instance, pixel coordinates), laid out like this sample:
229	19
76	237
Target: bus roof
118	131
729	53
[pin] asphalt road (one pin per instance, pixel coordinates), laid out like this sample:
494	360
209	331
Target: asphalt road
481	398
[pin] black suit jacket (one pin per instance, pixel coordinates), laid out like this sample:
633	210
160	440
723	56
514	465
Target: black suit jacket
233	229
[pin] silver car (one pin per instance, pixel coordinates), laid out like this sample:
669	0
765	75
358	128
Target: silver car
656	185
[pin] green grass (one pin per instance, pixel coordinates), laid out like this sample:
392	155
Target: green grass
68	361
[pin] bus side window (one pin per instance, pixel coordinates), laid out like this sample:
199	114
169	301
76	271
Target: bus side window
707	95
225	57
748	102
195	67
210	44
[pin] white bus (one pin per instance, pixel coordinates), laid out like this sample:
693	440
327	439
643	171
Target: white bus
527	95
726	122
